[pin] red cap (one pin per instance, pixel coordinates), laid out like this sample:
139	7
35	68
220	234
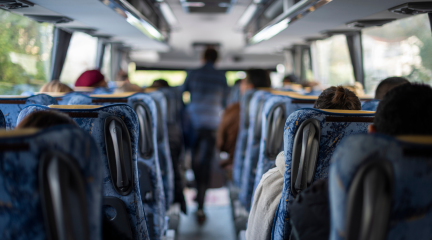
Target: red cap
89	78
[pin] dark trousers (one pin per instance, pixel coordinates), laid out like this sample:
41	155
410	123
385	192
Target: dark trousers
203	152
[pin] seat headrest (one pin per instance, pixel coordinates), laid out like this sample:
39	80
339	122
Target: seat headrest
347	111
12	96
53	94
74	106
18	132
416	139
149	90
114	95
84	89
294	95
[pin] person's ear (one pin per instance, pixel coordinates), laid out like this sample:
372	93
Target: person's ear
371	129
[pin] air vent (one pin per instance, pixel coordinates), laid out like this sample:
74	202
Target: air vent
49	19
413	8
15	4
207	6
369	23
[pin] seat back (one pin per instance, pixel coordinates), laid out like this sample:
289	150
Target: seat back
242	137
275	112
2	121
12	105
115	129
149	161
51	184
378	188
252	148
234	94
371	105
310	138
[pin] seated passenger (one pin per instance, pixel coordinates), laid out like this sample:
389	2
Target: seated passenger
401	112
387	85
289	79
55	86
159	83
91	78
45	119
226	137
269	190
123	84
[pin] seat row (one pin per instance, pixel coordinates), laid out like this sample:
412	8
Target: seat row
130	132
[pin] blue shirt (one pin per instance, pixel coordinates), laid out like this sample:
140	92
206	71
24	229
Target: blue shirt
208	88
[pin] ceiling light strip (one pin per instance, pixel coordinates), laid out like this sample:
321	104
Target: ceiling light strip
282	22
135	18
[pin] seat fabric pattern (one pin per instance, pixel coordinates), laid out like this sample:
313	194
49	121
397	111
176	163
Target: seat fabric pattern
264	163
21	210
95	126
331	135
410	214
2	120
252	149
164	150
242	137
67	97
11	107
371	105
157	207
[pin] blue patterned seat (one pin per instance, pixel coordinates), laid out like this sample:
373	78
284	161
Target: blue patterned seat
371	105
242	137
253	145
403	165
2	120
12	105
272	142
155	208
31	162
115	129
327	128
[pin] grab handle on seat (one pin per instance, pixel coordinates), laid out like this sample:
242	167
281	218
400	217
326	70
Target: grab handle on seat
116	136
307	141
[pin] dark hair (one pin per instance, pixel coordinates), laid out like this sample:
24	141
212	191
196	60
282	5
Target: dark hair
45	119
405	110
210	55
159	83
388	84
290	79
260	78
338	98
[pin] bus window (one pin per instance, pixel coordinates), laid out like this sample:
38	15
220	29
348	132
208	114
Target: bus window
25	53
106	64
233	76
334	62
399	48
145	78
81	56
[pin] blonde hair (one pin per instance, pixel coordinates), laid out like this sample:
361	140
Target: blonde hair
55	86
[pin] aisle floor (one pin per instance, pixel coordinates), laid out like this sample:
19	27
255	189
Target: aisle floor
219	224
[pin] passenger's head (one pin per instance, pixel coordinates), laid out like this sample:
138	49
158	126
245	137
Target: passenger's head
290	79
338	98
210	55
405	110
122	76
255	78
45	119
387	85
55	86
159	83
91	78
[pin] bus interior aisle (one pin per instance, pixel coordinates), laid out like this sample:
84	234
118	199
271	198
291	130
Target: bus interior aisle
215	119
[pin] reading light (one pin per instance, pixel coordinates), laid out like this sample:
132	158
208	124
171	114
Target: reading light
168	14
193	4
270	31
247	15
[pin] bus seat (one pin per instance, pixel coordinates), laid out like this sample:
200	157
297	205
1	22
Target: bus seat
2	121
149	160
253	145
12	105
234	94
378	188
242	137
51	184
371	105
310	138
115	129
275	112
64	100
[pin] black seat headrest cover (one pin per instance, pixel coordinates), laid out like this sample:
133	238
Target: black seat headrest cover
145	141
305	155
116	223
119	154
275	131
369	201
63	197
146	188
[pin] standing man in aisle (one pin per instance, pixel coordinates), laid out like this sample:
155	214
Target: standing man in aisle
208	89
